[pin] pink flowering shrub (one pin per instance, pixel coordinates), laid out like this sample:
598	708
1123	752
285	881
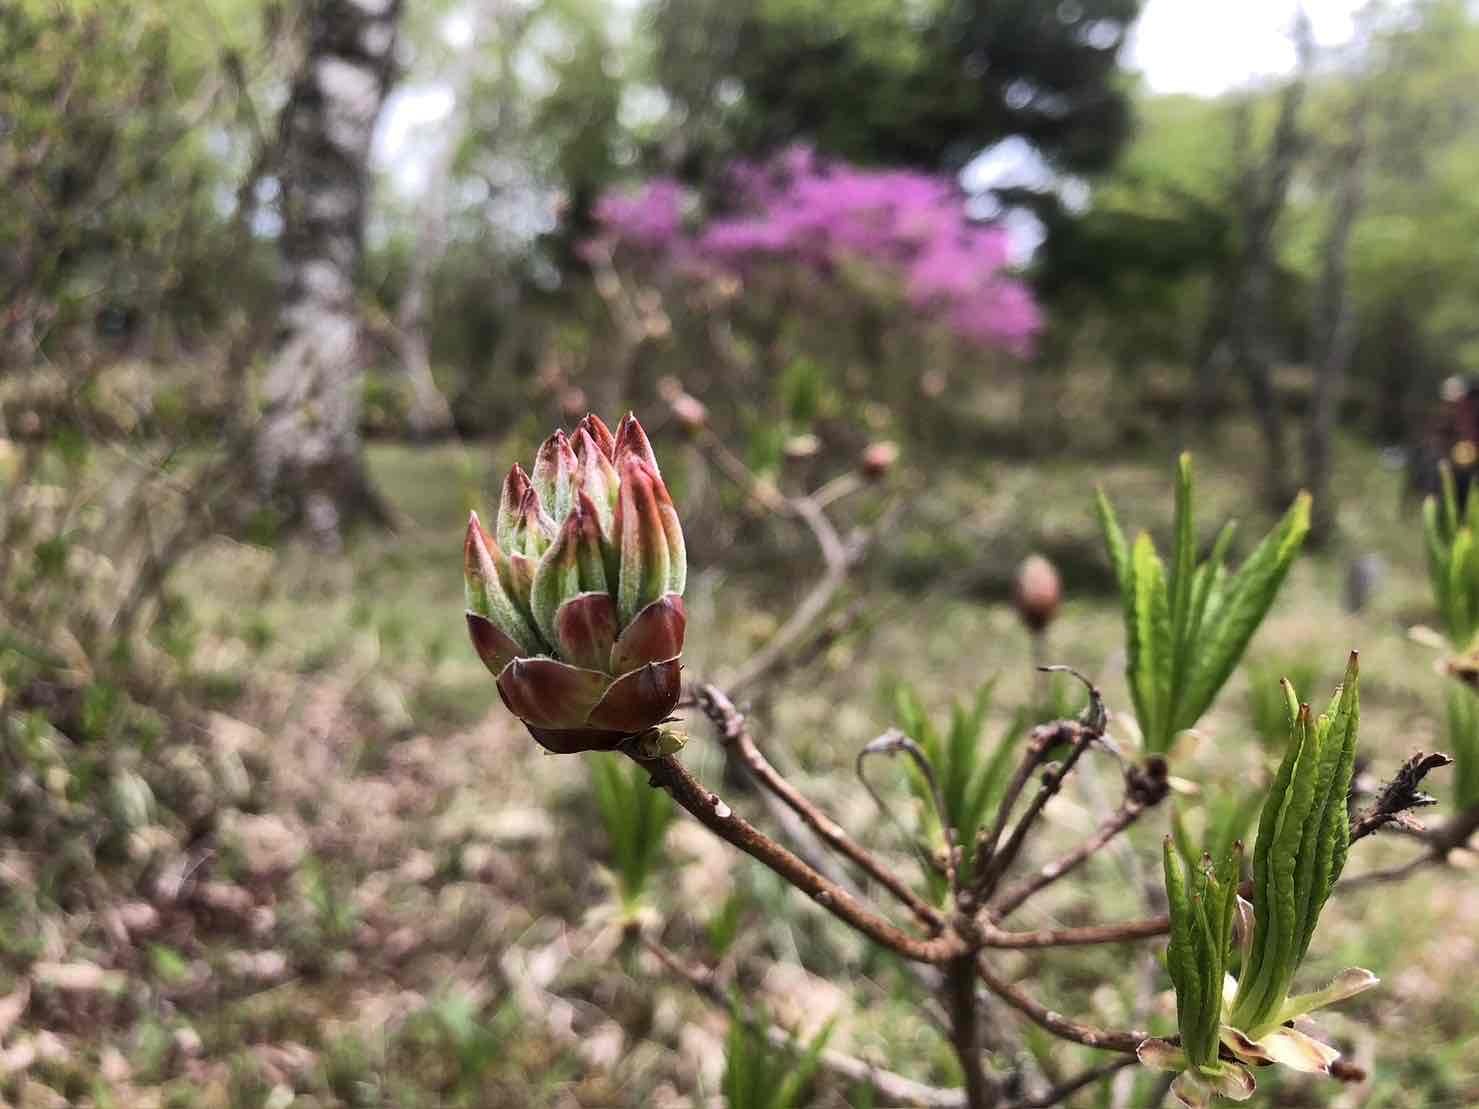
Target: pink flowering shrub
799	210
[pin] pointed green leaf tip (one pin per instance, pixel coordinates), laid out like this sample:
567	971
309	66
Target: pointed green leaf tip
1187	626
1303	834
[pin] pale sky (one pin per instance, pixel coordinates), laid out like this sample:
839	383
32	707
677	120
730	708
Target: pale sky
1208	46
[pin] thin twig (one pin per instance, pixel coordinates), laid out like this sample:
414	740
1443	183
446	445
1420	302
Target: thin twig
718	817
1395	873
1456	832
1144	787
1065	1090
1399	796
1052	781
991	936
1057	1023
731	727
1040	741
1077	937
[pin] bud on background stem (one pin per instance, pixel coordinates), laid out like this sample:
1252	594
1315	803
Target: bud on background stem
575	604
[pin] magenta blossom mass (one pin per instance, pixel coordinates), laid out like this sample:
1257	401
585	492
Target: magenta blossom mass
799	208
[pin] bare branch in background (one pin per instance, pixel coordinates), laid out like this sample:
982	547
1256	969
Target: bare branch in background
896	1088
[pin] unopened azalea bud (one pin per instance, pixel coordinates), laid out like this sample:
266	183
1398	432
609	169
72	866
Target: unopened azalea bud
1037	592
878	459
577	606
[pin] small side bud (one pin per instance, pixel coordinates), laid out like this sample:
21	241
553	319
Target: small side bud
878	459
1037	592
657	742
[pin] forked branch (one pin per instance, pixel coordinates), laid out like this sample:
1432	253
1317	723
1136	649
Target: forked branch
716	815
732	730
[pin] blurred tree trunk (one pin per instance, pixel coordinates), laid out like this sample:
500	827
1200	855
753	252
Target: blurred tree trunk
1333	331
308	451
430	415
1242	312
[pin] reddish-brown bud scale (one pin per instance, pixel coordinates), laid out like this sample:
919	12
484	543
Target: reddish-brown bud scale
600	434
877	459
632	442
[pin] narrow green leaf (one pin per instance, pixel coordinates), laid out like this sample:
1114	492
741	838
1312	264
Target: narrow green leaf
788	1095
1463	741
1280	906
1114	542
1207	587
1210	961
1460	598
1439	568
1153	645
1335	826
1249	594
1449	495
1182	582
1268	821
1181	960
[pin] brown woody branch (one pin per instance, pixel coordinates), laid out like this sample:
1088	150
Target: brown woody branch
1054	1022
718	817
732	731
1077	937
1039	741
1456	833
1145	786
1399	796
981	1089
1079	736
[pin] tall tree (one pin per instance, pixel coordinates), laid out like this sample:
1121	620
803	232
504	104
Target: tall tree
1333	330
926	84
1239	326
308	450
